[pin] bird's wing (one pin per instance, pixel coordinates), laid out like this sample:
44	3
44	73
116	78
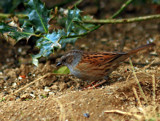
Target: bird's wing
100	58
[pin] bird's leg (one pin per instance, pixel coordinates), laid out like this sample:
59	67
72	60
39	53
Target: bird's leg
90	85
97	85
94	85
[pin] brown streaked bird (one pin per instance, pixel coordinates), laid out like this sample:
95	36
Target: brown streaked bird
95	65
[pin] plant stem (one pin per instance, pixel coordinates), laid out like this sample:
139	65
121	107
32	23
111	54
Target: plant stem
114	21
154	89
129	20
140	88
114	15
136	95
3	16
121	9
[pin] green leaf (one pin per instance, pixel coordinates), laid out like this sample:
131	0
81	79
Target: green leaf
48	42
25	34
62	70
5	27
38	15
73	15
28	30
74	24
3	99
15	33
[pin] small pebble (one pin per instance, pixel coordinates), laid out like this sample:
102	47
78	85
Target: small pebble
51	93
19	77
47	89
14	85
86	115
34	75
32	95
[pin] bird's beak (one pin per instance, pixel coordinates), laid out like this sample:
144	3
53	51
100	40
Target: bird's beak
59	63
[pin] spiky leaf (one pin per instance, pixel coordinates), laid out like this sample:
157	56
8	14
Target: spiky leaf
38	15
15	33
73	15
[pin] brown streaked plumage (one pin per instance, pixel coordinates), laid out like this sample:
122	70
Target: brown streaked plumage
95	65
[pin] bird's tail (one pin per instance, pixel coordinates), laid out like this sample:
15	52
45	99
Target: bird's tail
141	48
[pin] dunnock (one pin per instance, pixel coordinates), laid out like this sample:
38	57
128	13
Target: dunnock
95	65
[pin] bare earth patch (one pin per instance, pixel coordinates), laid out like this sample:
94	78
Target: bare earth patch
91	105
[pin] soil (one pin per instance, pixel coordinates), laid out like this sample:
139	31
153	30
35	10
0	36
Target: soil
60	97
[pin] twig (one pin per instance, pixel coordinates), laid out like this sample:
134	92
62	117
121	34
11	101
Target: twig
154	89
141	90
122	113
126	20
147	66
122	8
128	77
136	95
119	112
